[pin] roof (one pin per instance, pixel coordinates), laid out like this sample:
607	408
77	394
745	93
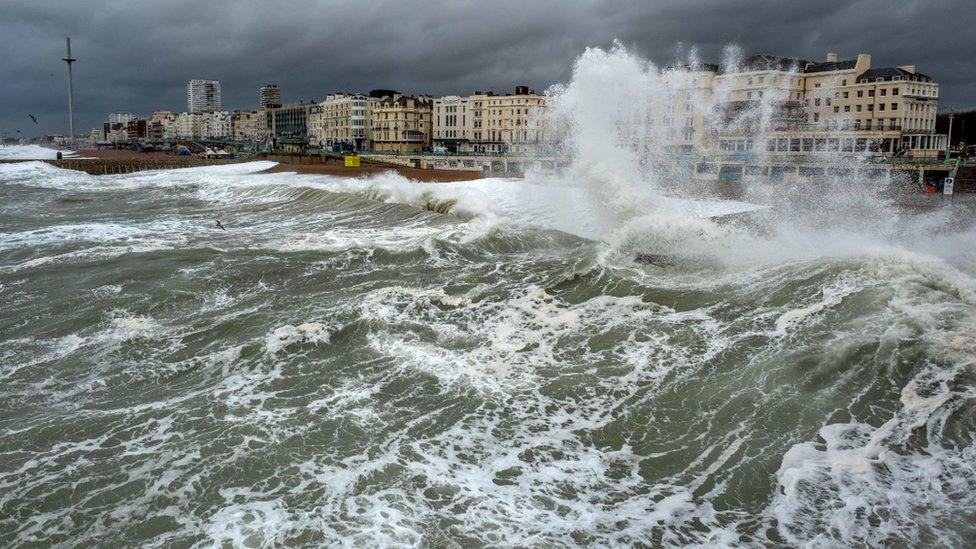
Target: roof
888	74
830	66
771	63
697	66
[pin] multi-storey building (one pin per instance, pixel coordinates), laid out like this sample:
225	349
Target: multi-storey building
119	118
189	125
202	96
270	96
399	123
217	125
244	125
288	122
165	123
798	106
339	122
510	123
136	129
452	124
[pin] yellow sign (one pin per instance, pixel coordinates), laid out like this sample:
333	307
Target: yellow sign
352	161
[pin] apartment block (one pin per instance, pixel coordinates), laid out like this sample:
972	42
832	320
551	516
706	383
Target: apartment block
510	123
399	123
339	122
202	96
453	124
270	96
841	106
216	125
163	125
244	125
189	125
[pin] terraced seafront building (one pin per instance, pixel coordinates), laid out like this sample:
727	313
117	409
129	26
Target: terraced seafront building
399	123
793	106
340	122
485	122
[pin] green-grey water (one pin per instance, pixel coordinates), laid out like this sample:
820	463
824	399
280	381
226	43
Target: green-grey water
340	368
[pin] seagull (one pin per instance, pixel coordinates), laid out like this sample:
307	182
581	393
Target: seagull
220	226
32	117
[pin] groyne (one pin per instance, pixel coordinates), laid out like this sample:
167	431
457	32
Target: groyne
101	166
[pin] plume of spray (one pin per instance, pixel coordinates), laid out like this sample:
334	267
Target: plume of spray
636	131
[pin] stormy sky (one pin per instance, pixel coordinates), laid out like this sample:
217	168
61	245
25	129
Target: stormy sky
137	56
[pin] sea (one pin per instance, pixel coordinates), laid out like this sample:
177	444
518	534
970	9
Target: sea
590	358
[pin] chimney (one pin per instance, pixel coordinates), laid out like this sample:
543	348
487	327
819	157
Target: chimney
521	90
908	68
863	63
831	57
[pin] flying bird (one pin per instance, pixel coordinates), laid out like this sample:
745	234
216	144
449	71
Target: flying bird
32	117
220	226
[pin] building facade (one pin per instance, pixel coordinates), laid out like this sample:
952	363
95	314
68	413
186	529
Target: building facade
244	124
399	123
189	125
794	106
452	124
202	96
339	122
165	122
270	96
509	123
217	125
119	118
290	122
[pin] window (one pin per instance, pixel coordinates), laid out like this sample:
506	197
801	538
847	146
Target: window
750	80
816	102
858	108
894	91
816	117
836	109
817	85
881	106
748	95
894	106
870	107
870	93
884	92
843	82
860	93
847	108
762	79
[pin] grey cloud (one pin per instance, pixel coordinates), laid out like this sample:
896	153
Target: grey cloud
138	56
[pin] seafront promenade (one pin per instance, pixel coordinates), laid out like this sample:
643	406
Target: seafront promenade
108	162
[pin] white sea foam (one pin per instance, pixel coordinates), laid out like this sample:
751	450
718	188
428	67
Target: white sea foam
30	152
307	332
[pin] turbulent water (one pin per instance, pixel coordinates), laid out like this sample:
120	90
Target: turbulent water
381	362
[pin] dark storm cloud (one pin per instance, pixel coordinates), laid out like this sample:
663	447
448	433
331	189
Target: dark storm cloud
137	56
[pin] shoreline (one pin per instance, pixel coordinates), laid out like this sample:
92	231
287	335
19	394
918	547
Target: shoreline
320	166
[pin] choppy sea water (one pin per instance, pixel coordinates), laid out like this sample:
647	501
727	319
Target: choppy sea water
385	363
